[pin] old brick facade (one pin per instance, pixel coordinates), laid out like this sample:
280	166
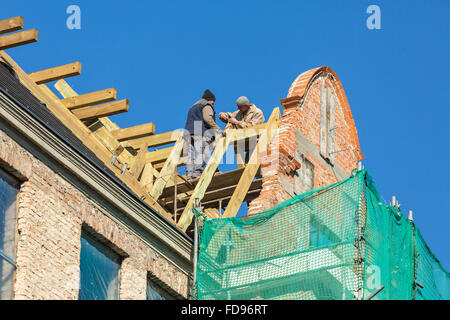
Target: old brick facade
294	162
51	213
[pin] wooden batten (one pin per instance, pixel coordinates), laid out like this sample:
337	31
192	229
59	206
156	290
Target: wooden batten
57	73
17	39
102	110
135	132
156	140
90	99
11	25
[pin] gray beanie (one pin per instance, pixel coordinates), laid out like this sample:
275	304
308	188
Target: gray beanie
243	101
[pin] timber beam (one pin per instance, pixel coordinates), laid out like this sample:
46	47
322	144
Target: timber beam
17	39
158	156
135	132
11	25
157	139
57	73
90	99
102	110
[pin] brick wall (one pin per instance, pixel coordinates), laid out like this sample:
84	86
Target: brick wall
298	140
51	213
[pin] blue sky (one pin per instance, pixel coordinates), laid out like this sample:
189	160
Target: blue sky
162	55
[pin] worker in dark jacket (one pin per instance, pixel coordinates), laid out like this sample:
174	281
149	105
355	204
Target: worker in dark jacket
201	129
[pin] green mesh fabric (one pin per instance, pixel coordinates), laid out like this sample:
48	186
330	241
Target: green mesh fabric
430	273
338	242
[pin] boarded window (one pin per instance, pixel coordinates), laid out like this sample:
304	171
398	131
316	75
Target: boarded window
99	270
304	177
327	124
9	188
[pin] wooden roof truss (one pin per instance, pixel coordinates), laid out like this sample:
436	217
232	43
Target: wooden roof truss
148	163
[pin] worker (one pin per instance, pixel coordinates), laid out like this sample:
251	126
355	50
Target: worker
201	129
248	115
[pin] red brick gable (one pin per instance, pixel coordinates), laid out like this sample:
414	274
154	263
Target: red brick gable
298	141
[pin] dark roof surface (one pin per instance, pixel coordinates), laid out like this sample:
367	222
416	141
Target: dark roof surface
13	88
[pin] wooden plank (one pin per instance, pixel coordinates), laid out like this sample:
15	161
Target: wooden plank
212	194
90	99
239	152
218	181
169	167
147	177
43	93
217	202
64	89
247	133
252	166
181	162
17	39
157	139
251	195
56	73
11	25
139	163
212	213
205	179
158	156
102	110
135	132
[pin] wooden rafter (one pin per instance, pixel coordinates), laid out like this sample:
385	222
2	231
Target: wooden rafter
181	162
139	163
135	132
90	99
100	128
156	140
56	73
147	177
158	156
102	110
11	25
17	39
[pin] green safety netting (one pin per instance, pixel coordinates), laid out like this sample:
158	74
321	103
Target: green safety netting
336	242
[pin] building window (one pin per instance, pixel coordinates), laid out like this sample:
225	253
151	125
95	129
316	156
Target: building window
99	270
327	124
9	188
320	234
155	292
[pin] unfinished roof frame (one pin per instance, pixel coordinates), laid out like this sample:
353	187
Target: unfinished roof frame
152	174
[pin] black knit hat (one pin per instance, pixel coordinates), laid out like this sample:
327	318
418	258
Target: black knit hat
208	95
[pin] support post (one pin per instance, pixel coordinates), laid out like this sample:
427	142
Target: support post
195	258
